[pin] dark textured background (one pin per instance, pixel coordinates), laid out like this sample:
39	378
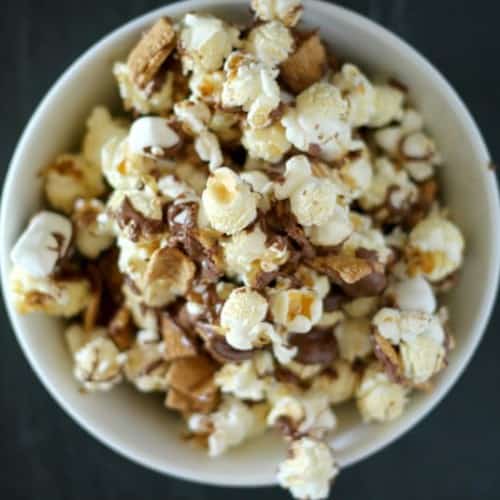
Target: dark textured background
453	454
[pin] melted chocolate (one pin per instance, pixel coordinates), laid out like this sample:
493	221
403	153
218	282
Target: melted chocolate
137	223
316	347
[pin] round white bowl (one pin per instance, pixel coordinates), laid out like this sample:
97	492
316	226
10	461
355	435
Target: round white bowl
136	425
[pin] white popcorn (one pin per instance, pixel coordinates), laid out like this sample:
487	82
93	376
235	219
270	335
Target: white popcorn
44	241
194	114
358	92
353	338
378	399
71	177
133	257
172	188
296	309
93	228
228	202
242	318
101	128
435	248
286	11
97	362
207	86
144	364
146	100
225	125
59	297
420	337
313	280
389	103
208	149
314	202
414	294
339	384
269	144
354	175
387	176
246	252
319	121
271	43
246	380
304	372
298	172
151	136
335	230
251	85
309	471
361	307
230	425
205	42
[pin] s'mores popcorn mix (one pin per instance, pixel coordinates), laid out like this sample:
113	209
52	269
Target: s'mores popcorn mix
258	237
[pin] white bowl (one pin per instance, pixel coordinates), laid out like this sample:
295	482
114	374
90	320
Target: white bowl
137	426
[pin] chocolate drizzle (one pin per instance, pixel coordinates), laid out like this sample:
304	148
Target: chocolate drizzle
137	224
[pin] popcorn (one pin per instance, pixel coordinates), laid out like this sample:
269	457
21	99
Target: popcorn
228	202
101	128
251	85
270	43
205	42
246	253
435	248
339	384
151	136
414	294
233	423
242	318
97	364
318	122
359	93
93	231
353	338
335	230
55	297
208	149
70	178
298	171
194	114
226	126
309	471
269	144
298	310
286	11
377	398
42	244
354	175
156	97
420	337
388	105
207	86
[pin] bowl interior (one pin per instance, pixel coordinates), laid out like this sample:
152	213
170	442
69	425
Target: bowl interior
137	425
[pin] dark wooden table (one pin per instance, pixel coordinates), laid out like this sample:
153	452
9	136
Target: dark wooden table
453	454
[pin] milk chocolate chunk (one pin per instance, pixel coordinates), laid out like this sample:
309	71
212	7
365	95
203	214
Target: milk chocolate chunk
318	346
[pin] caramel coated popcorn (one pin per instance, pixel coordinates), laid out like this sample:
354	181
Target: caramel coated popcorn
259	238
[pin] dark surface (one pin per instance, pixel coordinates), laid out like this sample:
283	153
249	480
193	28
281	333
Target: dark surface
452	454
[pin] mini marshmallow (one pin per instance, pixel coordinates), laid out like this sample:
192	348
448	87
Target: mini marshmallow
309	471
271	43
42	244
414	294
286	11
228	202
151	136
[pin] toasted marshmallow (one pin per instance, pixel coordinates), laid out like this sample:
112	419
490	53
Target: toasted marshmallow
296	309
151	136
271	43
309	471
359	93
42	244
414	294
319	122
286	11
208	149
251	85
378	399
269	144
205	42
228	202
435	248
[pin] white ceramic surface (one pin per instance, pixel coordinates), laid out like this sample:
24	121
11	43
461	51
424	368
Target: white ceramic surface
136	425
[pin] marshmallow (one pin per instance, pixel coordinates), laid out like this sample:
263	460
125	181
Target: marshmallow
151	136
414	294
42	244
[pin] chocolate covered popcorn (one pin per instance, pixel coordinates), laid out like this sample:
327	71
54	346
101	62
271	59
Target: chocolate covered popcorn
258	238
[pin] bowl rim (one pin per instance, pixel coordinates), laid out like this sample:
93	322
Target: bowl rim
359	22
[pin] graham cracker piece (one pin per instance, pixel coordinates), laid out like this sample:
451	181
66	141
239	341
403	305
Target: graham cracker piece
150	53
120	329
306	65
388	356
349	269
177	343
